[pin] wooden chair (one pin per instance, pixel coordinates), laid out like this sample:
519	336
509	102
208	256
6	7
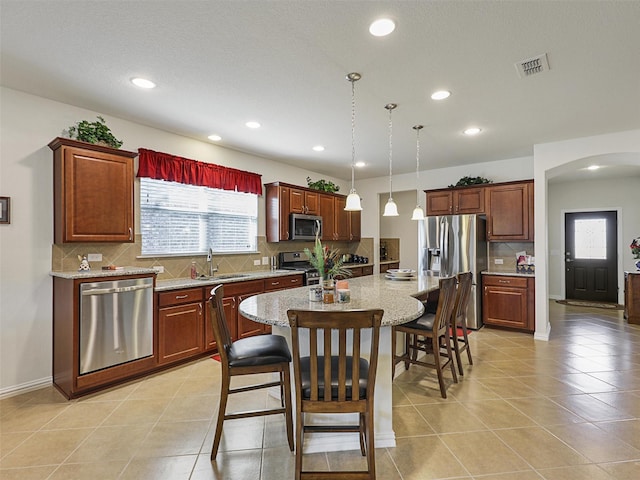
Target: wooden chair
326	374
248	356
431	334
459	333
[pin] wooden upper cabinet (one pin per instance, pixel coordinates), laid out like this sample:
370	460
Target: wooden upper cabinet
355	225
93	192
440	202
277	208
327	212
455	201
509	212
304	201
341	224
283	199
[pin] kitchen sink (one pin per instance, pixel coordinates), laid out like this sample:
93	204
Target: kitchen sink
226	276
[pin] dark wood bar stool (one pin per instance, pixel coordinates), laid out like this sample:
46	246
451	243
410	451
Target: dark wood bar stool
459	332
431	334
335	379
249	356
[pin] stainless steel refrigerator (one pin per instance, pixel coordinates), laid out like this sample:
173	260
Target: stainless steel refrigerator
451	244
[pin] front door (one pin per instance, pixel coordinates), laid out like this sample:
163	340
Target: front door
591	254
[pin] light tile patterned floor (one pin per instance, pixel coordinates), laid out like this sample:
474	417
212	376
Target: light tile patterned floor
567	409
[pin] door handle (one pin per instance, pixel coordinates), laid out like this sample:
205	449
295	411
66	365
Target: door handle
568	260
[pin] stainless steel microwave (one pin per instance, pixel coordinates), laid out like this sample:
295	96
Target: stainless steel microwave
305	227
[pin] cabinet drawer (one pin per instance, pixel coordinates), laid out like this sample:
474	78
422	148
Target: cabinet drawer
279	283
177	297
240	288
368	270
503	281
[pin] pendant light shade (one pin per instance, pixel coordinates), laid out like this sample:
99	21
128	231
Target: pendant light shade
353	199
418	213
390	209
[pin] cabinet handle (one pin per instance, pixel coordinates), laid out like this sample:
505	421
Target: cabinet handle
504	281
179	297
200	309
275	284
130	234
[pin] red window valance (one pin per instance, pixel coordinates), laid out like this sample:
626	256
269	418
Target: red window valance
163	166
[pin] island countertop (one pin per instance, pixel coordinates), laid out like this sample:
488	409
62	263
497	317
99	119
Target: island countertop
395	297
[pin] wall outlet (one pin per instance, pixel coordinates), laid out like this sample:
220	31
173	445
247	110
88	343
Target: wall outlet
265	260
256	263
159	268
94	257
498	261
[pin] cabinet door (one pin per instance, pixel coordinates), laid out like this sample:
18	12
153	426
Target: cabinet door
508	212
296	201
341	219
505	306
180	332
285	210
469	200
440	203
355	223
368	270
312	203
327	211
93	195
247	327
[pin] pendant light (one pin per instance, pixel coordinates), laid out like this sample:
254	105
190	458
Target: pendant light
390	209
418	213
353	199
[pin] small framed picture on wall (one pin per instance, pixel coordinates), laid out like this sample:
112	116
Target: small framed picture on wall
5	209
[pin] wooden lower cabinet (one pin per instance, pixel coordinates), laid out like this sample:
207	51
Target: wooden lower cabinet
509	302
632	297
180	318
384	267
361	271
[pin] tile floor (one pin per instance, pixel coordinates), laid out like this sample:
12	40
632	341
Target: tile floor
566	409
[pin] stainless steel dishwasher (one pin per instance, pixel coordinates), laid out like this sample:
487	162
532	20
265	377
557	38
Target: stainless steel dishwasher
116	322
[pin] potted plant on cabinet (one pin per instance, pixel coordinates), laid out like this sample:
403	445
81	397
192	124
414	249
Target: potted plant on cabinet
94	132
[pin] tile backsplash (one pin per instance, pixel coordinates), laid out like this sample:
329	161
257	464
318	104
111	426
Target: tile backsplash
507	252
65	256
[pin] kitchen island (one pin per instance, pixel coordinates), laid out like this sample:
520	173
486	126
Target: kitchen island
398	300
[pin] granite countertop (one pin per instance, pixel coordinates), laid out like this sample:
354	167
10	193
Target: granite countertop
386	262
509	274
356	265
176	283
72	275
395	297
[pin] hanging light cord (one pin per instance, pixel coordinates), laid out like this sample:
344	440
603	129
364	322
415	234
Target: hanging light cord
353	133
417	129
390	107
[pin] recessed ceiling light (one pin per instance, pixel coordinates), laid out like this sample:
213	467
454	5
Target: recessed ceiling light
143	83
472	131
252	124
318	148
215	138
360	164
382	27
440	95
593	167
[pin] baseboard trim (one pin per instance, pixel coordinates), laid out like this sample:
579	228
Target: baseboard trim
14	390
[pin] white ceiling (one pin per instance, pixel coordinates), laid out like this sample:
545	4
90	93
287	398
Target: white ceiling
218	64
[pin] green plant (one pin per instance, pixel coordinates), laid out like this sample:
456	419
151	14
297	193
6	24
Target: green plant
327	261
465	181
94	132
322	185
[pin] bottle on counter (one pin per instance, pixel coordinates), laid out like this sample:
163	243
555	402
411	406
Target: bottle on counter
194	270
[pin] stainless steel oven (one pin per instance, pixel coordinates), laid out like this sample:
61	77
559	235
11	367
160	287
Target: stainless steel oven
299	262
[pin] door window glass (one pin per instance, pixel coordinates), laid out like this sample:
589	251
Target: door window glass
590	238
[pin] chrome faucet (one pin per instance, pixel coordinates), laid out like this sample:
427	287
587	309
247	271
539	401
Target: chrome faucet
212	270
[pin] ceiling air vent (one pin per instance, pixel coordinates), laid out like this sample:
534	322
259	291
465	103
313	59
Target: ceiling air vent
531	66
